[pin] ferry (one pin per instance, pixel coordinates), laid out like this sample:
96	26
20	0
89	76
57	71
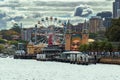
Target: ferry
49	53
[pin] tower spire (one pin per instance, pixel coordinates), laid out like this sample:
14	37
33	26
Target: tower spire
85	27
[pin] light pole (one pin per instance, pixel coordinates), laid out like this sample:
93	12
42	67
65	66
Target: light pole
35	33
21	27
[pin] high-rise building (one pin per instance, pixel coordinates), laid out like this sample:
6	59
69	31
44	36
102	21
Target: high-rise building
116	6
27	34
118	13
95	24
107	22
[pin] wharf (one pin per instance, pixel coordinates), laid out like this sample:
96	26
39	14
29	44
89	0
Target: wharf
110	60
24	56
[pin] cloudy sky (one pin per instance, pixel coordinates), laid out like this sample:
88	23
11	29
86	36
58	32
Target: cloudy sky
29	11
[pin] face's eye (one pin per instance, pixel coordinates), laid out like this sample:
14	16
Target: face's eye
73	44
76	44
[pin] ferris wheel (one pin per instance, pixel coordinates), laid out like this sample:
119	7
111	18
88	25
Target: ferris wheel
52	31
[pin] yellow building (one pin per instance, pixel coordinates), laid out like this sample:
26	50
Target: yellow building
34	49
30	48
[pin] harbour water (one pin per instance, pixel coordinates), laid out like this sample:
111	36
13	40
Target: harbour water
18	69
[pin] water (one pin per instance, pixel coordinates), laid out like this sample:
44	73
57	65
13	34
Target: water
16	69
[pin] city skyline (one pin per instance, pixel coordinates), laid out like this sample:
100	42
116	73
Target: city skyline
21	11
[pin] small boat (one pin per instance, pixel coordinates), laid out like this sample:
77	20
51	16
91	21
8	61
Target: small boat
3	56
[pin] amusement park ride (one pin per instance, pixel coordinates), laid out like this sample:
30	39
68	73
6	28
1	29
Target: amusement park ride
51	33
54	30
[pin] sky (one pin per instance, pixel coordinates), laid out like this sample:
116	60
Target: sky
29	11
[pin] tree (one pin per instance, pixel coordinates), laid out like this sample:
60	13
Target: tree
1	48
95	46
16	28
13	42
7	34
118	48
90	47
83	48
2	41
112	33
109	47
102	45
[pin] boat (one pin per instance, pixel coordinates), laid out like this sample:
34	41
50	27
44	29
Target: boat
49	53
3	55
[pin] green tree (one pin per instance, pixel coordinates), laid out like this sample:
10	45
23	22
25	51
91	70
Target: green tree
113	32
7	34
118	48
2	41
13	42
83	48
96	46
102	45
109	47
16	28
1	48
90	47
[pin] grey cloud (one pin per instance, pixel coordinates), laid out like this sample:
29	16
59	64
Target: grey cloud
2	15
83	11
109	0
37	8
2	24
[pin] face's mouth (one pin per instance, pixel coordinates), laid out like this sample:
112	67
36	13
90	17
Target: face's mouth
74	49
